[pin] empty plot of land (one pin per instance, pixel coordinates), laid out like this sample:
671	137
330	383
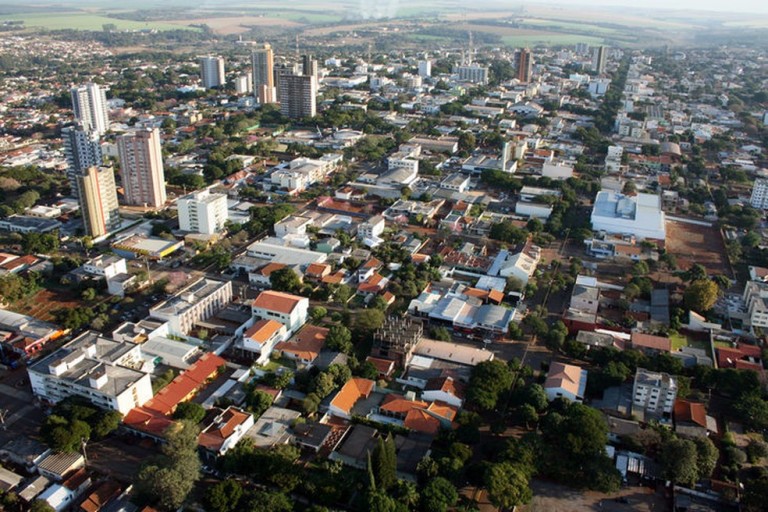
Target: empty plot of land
691	243
43	303
550	497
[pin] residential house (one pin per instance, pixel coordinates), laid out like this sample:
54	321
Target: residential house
444	389
273	427
417	415
262	338
565	381
224	432
305	345
691	419
350	393
290	310
650	344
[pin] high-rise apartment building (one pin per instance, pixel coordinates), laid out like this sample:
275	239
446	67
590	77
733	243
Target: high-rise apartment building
82	149
203	212
89	103
524	60
472	73
141	168
298	96
759	197
653	392
309	66
425	68
263	62
244	84
212	71
599	59
98	200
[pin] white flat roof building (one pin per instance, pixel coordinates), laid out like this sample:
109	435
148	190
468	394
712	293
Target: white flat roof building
203	212
638	215
101	370
198	301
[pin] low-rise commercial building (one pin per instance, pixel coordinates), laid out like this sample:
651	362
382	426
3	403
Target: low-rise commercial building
198	301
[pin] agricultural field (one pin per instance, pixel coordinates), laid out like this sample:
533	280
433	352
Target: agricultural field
86	21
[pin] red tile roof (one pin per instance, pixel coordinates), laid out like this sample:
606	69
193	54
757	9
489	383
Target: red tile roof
102	495
277	301
743	357
263	331
446	384
690	412
186	384
355	389
383	366
643	340
307	343
222	428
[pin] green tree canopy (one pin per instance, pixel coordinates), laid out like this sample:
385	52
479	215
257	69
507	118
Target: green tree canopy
507	485
679	461
488	381
701	295
189	411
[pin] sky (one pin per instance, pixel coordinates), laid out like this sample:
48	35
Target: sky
755	6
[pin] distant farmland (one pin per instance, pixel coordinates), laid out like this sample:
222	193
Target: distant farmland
86	21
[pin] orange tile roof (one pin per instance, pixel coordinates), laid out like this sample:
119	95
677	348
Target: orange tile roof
263	331
692	412
186	384
421	421
373	284
398	404
443	410
102	495
372	263
565	376
222	428
267	269
317	270
383	366
355	389
18	262
277	301
335	278
643	340
307	343
447	384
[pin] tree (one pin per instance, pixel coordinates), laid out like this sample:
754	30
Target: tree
339	338
41	506
369	320
438	495
285	280
63	435
701	295
678	458
507	485
272	501
168	479
189	411
384	463
706	457
441	333
753	410
107	422
488	380
696	272
257	401
318	313
342	294
224	496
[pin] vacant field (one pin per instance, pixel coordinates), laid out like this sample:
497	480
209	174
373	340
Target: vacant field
697	244
551	497
234	25
43	303
86	21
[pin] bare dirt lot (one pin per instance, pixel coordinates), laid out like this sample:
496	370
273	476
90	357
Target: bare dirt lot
550	497
43	303
692	243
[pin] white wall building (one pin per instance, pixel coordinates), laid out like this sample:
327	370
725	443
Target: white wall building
289	310
425	68
101	370
106	266
203	212
303	172
638	215
654	392
557	171
212	71
198	301
372	228
89	103
759	197
262	337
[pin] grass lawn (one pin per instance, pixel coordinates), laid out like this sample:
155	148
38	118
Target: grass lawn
86	21
679	341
